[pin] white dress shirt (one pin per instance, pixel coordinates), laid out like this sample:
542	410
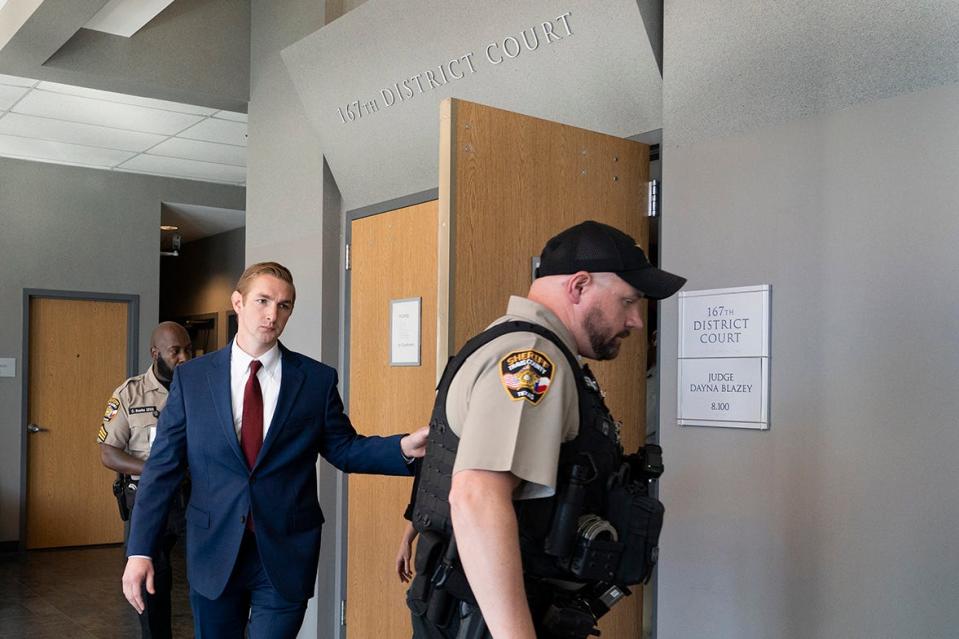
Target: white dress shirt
269	375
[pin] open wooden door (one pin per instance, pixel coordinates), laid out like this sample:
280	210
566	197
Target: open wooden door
393	257
77	356
508	183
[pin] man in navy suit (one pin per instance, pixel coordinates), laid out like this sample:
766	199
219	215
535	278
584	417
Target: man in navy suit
249	421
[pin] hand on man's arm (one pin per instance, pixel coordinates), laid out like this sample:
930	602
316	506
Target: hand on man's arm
138	571
487	537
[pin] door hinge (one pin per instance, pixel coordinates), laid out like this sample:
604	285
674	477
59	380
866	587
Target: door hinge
347	258
652	198
342	612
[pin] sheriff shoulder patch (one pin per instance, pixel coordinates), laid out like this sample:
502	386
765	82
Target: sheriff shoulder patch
112	407
526	375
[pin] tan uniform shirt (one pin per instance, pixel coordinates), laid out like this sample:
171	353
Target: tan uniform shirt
130	420
514	401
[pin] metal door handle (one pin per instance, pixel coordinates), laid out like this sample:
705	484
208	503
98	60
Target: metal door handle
33	428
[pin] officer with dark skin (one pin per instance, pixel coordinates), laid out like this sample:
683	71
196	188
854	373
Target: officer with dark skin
170	346
125	438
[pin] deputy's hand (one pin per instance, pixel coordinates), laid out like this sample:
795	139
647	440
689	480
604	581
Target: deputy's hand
403	568
403	564
414	444
138	570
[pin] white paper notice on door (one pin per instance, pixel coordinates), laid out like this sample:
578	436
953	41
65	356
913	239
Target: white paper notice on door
405	331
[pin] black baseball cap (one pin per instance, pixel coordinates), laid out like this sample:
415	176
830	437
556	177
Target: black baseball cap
599	248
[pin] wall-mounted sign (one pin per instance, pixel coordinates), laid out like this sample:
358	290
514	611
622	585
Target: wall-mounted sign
8	366
405	332
724	357
723	391
726	322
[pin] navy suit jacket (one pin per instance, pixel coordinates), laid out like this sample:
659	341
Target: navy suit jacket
196	430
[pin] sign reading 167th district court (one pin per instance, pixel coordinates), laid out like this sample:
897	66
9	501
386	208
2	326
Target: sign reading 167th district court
724	357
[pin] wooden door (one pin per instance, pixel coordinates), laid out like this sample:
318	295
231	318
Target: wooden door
508	183
77	357
393	257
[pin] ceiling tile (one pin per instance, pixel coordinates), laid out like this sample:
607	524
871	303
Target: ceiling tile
230	115
192	169
88	111
26	148
73	132
197	150
212	130
16	81
123	98
9	95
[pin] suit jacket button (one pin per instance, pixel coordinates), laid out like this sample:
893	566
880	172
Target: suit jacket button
242	519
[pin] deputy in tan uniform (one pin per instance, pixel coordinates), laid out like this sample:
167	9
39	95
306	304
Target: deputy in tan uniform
125	438
524	402
514	400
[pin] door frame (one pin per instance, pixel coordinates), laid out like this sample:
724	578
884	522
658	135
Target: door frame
342	493
133	337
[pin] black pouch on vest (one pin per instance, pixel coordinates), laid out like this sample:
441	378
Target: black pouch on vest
595	559
638	519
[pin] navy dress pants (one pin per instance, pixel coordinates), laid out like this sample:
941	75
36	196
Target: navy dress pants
249	604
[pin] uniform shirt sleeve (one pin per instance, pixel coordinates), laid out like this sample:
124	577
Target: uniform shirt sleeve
115	429
506	425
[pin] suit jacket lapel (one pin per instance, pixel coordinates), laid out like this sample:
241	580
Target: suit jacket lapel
219	379
290	383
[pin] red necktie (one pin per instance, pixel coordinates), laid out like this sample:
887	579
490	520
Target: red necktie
251	426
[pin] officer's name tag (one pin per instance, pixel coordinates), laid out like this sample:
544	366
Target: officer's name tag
136	410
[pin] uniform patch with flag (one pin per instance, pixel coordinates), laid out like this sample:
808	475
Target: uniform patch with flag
112	407
526	375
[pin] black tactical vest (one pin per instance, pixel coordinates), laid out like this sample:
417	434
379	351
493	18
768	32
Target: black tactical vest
593	457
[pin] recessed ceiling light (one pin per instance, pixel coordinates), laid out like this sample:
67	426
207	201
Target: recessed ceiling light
169	227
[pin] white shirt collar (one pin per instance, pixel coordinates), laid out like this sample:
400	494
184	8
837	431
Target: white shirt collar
240	359
270	377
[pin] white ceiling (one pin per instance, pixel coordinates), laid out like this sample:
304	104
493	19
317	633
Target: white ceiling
63	124
125	17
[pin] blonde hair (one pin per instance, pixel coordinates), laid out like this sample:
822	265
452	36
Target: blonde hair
264	268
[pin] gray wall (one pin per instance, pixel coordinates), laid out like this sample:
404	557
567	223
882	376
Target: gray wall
193	48
601	75
78	229
195	51
293	216
815	149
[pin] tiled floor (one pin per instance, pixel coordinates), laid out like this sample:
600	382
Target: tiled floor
67	594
